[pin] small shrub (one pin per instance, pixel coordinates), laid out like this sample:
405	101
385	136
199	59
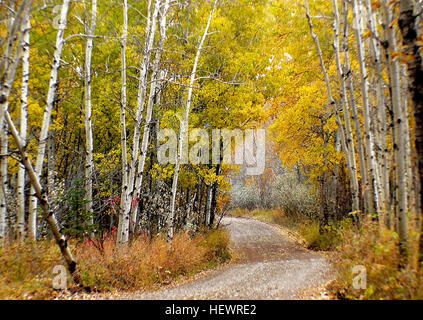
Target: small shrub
144	265
377	250
326	238
26	270
284	192
216	243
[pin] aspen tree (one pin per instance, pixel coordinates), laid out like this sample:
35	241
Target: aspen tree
89	165
11	58
124	222
354	108
4	184
380	103
40	193
372	169
32	217
184	126
349	144
8	66
123	106
334	106
154	88
20	219
400	204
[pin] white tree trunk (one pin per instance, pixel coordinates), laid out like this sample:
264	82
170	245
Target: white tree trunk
10	59
154	88
4	190
349	143
398	120
373	175
20	219
123	137
353	103
8	67
123	232
184	127
380	102
32	218
89	165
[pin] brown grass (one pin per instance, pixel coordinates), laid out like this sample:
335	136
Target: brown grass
378	252
26	270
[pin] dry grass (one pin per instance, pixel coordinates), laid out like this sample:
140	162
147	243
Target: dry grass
26	270
378	252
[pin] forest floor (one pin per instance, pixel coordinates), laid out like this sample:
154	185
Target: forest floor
270	264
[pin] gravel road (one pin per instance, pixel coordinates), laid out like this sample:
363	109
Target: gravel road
272	266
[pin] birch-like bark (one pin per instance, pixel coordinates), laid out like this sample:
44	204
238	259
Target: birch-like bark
208	204
8	67
10	59
389	46
356	119
380	102
32	216
398	123
20	219
89	165
155	86
373	175
40	193
349	143
123	105
123	232
4	183
184	127
51	168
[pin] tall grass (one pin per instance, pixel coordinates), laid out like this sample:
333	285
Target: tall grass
378	251
26	270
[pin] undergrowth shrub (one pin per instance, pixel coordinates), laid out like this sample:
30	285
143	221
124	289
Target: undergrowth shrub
216	243
378	251
144	264
284	192
326	238
26	270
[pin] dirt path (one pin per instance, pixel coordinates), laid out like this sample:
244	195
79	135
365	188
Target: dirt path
272	267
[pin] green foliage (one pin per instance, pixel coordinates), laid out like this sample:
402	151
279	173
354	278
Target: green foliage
76	220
